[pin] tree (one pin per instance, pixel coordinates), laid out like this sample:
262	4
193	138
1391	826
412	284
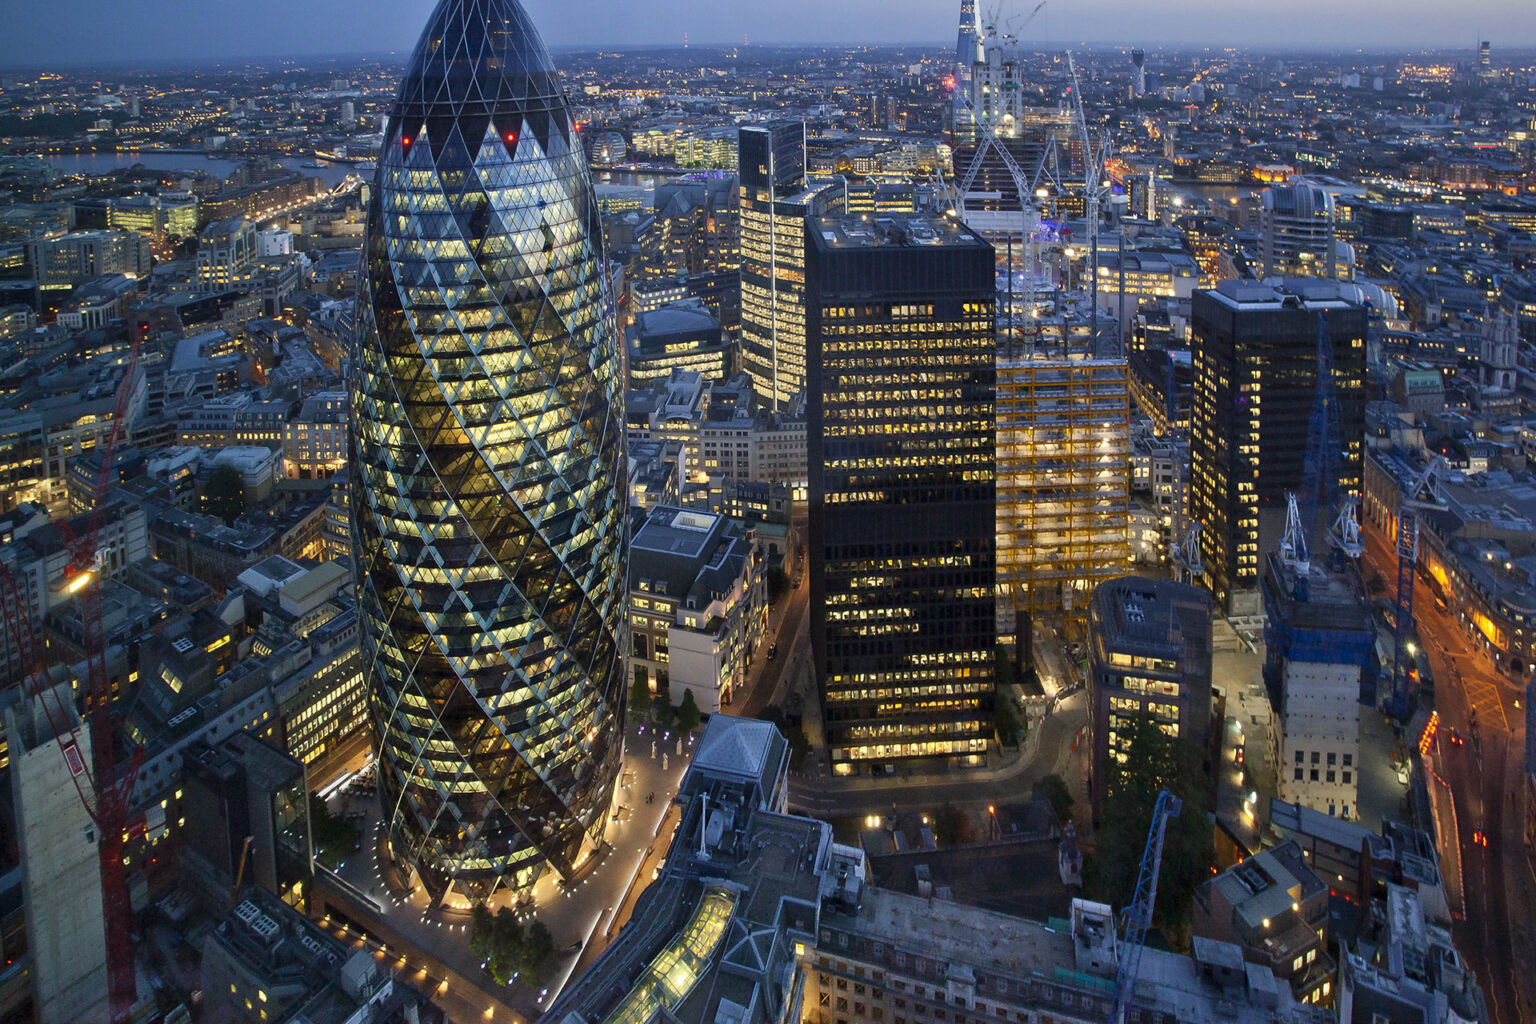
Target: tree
688	717
224	494
482	931
1054	789
1154	761
799	743
538	944
799	747
778	582
506	946
773	713
640	700
662	710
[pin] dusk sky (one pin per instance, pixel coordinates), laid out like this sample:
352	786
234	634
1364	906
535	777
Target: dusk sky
77	31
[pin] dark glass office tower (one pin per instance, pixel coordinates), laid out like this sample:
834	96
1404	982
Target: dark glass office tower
488	505
900	436
1255	369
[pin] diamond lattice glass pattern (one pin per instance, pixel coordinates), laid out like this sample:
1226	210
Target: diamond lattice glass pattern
488	520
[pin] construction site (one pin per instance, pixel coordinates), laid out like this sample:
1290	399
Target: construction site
1063	484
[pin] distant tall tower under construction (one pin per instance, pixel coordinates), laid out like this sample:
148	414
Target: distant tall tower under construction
967	52
1139	60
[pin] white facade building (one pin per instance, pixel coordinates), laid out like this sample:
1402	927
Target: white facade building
1318	737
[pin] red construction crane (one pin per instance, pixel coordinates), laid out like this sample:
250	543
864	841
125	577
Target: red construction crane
105	782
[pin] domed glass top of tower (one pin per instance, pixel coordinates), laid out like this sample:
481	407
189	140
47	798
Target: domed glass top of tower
488	507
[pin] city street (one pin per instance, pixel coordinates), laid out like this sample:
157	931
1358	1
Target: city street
1049	748
1484	773
787	628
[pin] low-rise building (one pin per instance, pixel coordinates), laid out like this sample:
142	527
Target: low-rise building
64	261
723	429
256	464
1274	907
315	441
202	546
1478	548
698	604
657	473
97	301
1403	967
759	917
249	805
682	335
267	962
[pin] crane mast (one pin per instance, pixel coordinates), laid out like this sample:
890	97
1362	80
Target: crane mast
1138	916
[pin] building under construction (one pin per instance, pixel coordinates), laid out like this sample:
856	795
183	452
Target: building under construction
1063	484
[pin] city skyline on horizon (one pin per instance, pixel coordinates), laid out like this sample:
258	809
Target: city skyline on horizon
76	32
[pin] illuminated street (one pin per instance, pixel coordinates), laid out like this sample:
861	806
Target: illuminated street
1485	778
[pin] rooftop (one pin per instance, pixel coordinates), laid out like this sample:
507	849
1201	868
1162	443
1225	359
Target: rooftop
1142	613
1290	293
865	231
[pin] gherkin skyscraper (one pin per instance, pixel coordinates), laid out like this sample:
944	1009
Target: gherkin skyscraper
488	516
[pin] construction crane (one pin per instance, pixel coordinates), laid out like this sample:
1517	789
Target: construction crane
1421	493
1139	914
1321	469
1010	31
245	855
104	781
1295	549
1095	157
1185	553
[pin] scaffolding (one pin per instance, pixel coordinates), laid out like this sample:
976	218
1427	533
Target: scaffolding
1063	485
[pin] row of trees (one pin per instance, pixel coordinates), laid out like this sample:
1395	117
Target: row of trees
507	947
644	707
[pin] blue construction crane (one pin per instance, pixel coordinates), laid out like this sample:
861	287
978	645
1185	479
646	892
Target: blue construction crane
1139	914
1321	469
1419	493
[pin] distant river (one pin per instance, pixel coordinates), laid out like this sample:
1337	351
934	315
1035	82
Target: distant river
104	163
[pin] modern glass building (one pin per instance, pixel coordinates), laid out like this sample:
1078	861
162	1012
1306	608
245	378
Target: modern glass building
903	495
488	518
775	202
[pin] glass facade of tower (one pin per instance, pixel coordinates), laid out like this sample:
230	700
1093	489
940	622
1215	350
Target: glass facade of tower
1255	377
901	453
775	203
488	522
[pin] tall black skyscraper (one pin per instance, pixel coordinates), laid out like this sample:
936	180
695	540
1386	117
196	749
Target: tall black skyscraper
488	503
1255	366
902	464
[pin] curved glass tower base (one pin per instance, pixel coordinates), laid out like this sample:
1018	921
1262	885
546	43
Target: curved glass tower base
488	512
